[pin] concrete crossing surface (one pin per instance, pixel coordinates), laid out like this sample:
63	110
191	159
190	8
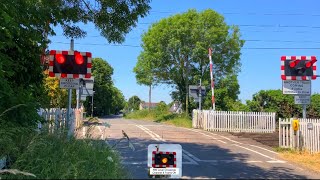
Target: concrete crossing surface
205	154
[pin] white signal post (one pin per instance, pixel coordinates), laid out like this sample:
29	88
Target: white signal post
212	81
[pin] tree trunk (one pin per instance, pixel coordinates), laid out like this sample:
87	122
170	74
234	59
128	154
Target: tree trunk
149	98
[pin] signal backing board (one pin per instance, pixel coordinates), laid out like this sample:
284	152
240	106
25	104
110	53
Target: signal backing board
172	172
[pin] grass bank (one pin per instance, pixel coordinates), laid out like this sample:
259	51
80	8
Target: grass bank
162	117
303	158
54	156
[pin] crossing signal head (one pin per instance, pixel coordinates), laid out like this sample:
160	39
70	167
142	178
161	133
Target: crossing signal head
299	67
164	159
73	63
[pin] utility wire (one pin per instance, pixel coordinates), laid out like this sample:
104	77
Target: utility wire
247	13
136	46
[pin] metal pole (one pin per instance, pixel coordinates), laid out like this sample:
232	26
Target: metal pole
69	121
69	91
92	105
304	111
200	95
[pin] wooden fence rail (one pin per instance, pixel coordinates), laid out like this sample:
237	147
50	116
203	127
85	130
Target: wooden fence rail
234	121
308	135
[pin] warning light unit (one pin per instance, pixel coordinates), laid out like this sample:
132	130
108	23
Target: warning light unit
70	64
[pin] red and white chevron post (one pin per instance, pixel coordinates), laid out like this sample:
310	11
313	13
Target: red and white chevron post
212	81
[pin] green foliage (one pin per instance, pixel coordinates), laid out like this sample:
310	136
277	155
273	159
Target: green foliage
107	98
274	101
162	107
68	159
134	103
162	116
226	95
176	47
313	110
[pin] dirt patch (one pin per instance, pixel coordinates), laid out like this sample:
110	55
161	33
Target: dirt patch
268	139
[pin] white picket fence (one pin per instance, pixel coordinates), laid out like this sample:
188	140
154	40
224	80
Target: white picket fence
308	139
234	121
57	118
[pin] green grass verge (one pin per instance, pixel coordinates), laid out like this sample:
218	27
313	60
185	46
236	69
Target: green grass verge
54	156
161	117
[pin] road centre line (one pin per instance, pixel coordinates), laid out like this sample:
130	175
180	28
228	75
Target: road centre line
156	136
152	136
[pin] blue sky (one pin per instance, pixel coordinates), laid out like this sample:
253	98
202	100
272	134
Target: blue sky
276	24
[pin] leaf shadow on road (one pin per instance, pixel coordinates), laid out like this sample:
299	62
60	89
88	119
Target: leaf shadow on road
215	162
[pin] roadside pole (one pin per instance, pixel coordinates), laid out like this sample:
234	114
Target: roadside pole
304	111
92	104
69	120
200	95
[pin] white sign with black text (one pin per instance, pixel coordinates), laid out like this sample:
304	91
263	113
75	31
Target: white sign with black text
296	87
302	99
69	83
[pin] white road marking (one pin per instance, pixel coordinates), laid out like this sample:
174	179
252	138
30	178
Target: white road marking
145	163
190	155
253	161
255	152
191	161
156	137
209	136
152	136
276	161
263	149
235	141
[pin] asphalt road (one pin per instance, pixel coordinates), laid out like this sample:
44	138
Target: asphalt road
205	154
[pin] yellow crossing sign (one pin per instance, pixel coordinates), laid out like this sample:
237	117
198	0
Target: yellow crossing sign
295	124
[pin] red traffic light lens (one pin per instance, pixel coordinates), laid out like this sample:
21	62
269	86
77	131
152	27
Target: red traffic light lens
308	64
60	58
79	59
293	64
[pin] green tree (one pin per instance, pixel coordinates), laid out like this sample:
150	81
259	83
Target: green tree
274	101
24	27
107	98
177	47
313	110
226	95
134	103
144	73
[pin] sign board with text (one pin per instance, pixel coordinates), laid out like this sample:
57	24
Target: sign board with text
165	159
295	87
69	83
302	99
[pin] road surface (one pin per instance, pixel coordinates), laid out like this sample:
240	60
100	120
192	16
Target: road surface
205	154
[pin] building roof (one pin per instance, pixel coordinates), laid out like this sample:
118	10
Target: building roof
146	104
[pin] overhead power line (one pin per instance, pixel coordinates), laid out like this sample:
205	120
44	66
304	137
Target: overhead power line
248	13
136	46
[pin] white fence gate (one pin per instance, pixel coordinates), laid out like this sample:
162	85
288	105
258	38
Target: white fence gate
57	118
307	138
234	121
